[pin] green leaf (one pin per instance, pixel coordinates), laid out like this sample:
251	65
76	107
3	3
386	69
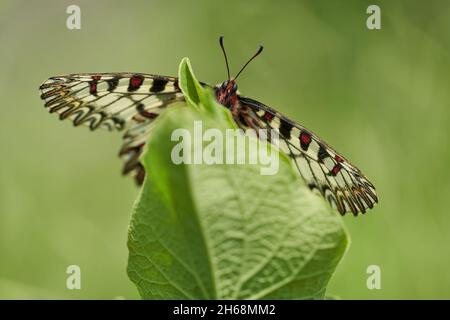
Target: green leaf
225	231
199	98
188	83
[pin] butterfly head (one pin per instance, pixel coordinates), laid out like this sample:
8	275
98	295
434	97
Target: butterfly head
227	92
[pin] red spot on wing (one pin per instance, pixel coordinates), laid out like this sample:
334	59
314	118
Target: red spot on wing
135	82
268	116
145	113
93	84
338	158
93	87
150	115
305	140
337	167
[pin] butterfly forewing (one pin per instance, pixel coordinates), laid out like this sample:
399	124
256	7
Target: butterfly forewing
323	169
115	101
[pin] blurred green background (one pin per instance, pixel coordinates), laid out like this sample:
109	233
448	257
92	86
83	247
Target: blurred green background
380	97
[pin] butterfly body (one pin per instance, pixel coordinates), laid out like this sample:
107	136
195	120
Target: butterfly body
131	101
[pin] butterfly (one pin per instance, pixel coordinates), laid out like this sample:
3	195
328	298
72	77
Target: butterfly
130	102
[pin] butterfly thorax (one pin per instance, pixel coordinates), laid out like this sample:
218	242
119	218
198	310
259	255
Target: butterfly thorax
226	94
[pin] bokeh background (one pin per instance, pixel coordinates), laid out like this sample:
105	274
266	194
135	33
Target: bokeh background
380	97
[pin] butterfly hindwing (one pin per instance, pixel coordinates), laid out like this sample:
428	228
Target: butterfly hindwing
323	169
115	101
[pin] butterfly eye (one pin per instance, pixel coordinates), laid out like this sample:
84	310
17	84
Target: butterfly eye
235	87
224	84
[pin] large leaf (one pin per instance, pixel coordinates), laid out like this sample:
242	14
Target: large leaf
225	231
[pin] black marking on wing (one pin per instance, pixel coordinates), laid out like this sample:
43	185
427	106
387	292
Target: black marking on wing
112	83
285	128
158	85
323	153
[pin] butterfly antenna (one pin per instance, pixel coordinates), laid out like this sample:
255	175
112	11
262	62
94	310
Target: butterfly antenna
250	60
225	55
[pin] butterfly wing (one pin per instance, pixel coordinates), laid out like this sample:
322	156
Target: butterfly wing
131	101
114	101
323	169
